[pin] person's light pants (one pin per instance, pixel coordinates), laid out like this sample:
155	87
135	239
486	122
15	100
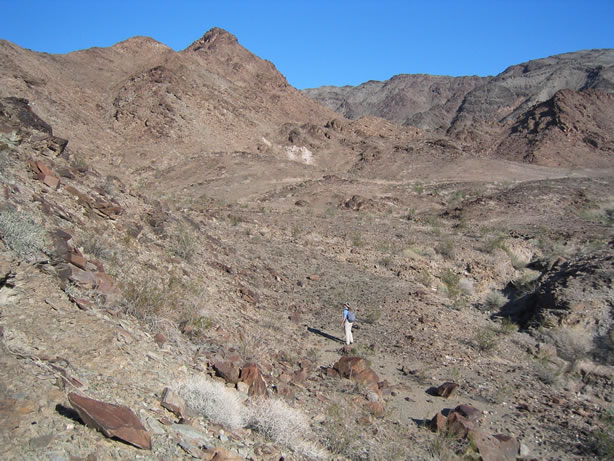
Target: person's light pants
349	339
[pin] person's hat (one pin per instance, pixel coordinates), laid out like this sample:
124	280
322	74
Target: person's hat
346	304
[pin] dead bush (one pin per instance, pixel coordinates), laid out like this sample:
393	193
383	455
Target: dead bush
214	401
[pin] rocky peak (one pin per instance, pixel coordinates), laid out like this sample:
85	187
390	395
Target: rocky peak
213	39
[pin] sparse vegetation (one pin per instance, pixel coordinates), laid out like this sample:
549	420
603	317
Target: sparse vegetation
485	339
450	280
508	326
284	425
601	441
446	248
182	243
22	234
495	300
271	417
495	242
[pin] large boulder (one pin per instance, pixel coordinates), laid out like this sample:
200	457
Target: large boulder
357	369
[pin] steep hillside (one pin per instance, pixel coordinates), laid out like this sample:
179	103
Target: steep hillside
427	102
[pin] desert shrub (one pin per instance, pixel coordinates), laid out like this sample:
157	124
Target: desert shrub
446	248
214	401
466	286
495	242
23	235
284	425
183	244
571	345
410	215
424	278
386	262
357	240
508	326
364	351
547	373
518	262
93	245
10	140
343	437
602	441
146	296
495	300
450	279
527	282
373	314
485	339
418	187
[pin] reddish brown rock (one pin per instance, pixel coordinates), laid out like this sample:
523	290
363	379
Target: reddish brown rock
445	390
249	295
495	447
78	260
332	373
251	375
356	369
469	412
160	339
46	175
227	370
313	277
299	376
349	366
105	283
376	409
221	454
83	278
173	402
439	422
112	420
459	425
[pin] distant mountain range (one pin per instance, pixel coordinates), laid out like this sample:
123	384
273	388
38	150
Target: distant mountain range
142	105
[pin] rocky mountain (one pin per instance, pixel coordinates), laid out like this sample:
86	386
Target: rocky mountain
428	102
179	232
477	112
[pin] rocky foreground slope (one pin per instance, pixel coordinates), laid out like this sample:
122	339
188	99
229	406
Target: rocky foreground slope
163	299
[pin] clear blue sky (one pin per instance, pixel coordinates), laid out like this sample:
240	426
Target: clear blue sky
318	42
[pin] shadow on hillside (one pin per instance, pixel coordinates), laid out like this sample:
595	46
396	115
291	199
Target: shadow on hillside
325	335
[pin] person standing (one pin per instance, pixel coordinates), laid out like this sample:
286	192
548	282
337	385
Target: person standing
348	320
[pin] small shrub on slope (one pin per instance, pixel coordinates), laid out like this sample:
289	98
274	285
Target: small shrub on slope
22	234
214	401
284	425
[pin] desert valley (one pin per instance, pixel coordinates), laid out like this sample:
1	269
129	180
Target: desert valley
179	232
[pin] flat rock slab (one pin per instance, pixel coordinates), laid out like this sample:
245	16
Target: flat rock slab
112	420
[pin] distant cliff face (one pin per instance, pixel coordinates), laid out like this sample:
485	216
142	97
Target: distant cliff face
428	102
439	104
